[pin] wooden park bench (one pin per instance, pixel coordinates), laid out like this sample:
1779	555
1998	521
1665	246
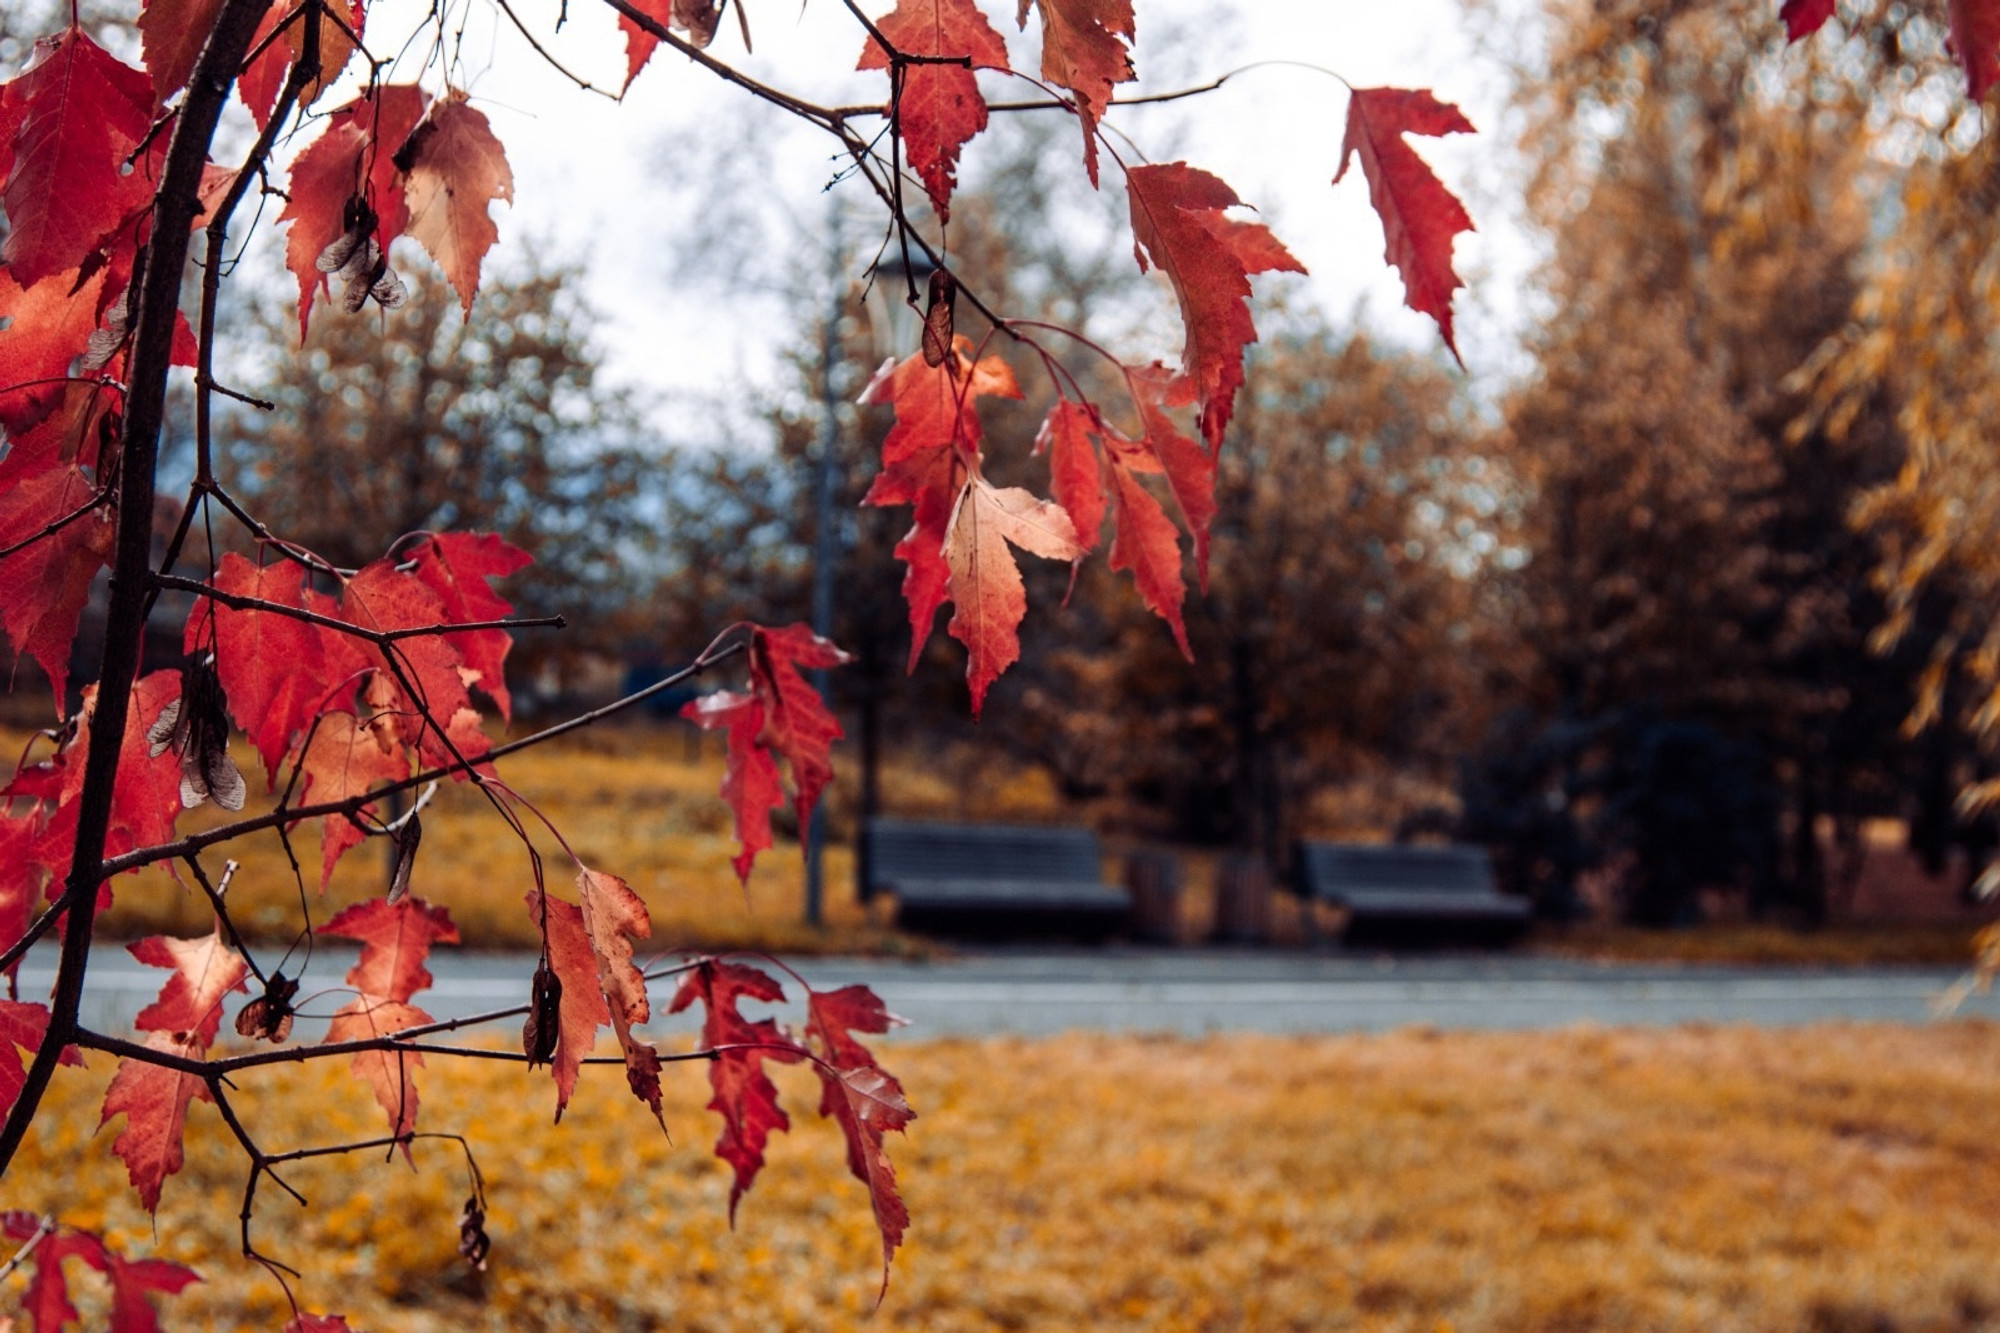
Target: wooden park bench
992	881
1405	894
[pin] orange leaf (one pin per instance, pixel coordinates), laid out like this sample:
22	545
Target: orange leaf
456	169
613	917
988	597
582	1008
1084	50
390	1074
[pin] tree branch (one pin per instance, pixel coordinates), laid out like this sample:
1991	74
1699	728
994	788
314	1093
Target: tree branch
175	205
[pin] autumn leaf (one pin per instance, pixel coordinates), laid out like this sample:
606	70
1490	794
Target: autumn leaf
48	326
44	584
271	664
582	1008
133	1281
264	76
750	785
316	1323
22	1025
346	759
81	112
613	917
1076	474
940	106
784	715
1084	50
455	169
1179	225
1803	18
1419	216
419	701
154	1101
1148	544
929	450
987	595
459	567
1975	40
863	1098
204	970
1188	468
390	1074
396	941
745	1097
696	19
171	33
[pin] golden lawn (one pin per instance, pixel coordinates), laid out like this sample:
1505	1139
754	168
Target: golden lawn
1706	1178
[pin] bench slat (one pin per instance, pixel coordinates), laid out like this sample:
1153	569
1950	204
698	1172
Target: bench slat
988	879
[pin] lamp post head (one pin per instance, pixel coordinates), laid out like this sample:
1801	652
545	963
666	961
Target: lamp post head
896	323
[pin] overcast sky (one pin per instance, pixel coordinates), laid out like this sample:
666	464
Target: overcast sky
616	185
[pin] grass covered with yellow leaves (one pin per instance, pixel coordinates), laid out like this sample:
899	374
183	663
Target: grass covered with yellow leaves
1839	1177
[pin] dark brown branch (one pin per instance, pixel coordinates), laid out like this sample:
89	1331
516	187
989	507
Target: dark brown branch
175	206
381	637
646	23
97	502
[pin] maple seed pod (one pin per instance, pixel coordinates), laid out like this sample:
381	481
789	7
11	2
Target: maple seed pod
940	318
196	727
544	1025
407	837
269	1017
473	1242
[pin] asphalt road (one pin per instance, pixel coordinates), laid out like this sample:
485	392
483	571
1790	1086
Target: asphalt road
1195	992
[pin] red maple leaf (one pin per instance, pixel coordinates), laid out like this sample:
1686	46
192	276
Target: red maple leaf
940	107
745	1097
863	1098
1188	468
1803	18
44	585
696	18
929	452
1148	544
390	1074
272	666
459	567
204	970
419	701
1419	216
454	168
49	324
82	111
1179	224
133	1281
784	715
1076	474
581	1008
262	77
1975	40
171	33
316	1323
154	1101
396	941
613	917
750	785
343	760
1084	50
22	1025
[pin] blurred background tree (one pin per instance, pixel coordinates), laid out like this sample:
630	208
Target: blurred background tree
418	419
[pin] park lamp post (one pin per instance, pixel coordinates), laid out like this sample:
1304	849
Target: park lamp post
895	326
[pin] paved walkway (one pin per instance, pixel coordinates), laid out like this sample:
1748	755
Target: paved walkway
1194	992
